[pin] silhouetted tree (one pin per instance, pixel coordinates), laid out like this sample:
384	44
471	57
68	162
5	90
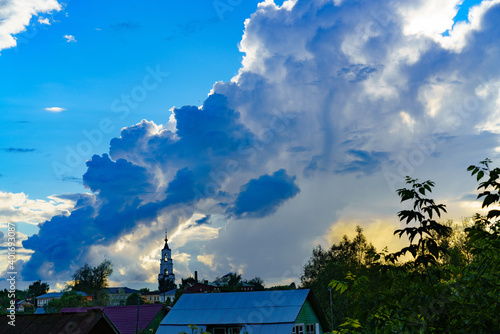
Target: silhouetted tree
38	288
93	281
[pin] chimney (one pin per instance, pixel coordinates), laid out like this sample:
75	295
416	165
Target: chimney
196	276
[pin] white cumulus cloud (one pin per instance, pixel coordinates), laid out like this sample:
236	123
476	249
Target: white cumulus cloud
42	20
333	106
55	109
15	16
70	38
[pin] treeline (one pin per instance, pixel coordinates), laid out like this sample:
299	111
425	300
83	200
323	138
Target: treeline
35	289
447	280
91	280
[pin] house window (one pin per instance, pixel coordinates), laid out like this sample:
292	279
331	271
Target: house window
226	330
298	329
219	330
310	328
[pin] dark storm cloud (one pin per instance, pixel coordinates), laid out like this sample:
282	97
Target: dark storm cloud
364	162
126	193
261	197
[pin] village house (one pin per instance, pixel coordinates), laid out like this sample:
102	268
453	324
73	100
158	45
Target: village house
21	305
168	295
127	318
43	300
262	312
91	322
151	297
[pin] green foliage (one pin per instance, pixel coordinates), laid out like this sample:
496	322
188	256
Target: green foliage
169	302
166	285
337	265
230	283
187	283
93	281
38	288
257	282
68	299
132	299
450	285
426	250
195	330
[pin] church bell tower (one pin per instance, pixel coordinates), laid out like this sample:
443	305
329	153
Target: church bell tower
166	278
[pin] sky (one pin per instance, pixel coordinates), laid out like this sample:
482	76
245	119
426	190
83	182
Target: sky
253	131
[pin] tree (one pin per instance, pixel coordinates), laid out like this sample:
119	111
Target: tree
93	281
187	283
257	282
451	284
426	250
132	299
38	288
166	284
68	299
353	258
230	282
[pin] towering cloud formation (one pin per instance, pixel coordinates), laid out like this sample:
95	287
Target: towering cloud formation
335	102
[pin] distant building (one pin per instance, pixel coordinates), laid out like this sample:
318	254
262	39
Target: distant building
151	297
118	296
223	282
166	277
168	295
201	287
21	305
159	297
262	312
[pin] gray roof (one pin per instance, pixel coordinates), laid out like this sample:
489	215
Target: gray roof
261	312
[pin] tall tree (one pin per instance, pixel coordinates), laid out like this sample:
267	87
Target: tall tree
426	250
93	280
451	283
347	258
257	282
166	284
38	288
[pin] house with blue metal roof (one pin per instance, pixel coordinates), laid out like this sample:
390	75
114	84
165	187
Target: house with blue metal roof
43	300
258	312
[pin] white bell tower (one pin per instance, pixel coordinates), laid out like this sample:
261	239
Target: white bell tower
166	267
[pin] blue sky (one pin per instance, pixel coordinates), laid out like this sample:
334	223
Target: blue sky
115	43
316	109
